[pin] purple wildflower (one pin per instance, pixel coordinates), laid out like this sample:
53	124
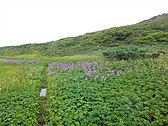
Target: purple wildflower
112	73
12	61
130	71
119	73
103	78
96	77
89	74
50	66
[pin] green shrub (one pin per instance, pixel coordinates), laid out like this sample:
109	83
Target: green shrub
126	53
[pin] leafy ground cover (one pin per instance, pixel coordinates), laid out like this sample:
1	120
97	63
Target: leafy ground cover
19	93
94	90
91	91
108	93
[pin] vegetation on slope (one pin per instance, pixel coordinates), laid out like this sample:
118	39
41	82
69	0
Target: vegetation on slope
93	91
152	31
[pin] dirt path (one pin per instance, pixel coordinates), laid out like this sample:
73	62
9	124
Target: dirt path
43	98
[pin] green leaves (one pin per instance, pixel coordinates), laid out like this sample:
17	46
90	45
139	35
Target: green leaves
19	97
130	52
126	100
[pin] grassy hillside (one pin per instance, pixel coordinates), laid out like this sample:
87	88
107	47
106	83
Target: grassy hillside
153	31
85	88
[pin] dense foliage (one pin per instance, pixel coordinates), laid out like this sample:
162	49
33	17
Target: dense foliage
83	87
19	93
131	52
105	93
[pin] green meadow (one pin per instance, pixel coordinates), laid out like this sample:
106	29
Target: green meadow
115	77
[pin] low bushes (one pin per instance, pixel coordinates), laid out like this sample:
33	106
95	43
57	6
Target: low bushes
126	53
